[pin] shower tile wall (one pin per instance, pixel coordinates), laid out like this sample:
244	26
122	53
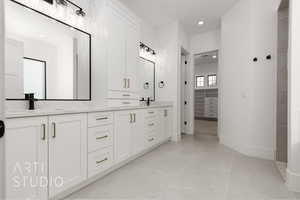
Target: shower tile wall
206	104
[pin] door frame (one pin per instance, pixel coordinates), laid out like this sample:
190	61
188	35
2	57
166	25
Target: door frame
2	99
183	53
192	89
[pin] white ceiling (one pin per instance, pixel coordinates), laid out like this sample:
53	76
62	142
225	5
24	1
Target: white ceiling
188	12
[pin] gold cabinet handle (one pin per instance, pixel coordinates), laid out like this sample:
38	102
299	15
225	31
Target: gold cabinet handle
44	132
152	124
166	113
128	83
103	137
134	117
125	82
54	130
151	112
131	118
150	140
101	161
126	103
102	118
126	95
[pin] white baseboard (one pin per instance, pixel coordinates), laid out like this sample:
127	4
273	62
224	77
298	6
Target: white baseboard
251	151
292	181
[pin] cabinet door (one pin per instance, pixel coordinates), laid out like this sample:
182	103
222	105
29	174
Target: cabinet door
123	135
132	57
168	122
162	123
116	57
67	151
138	132
26	158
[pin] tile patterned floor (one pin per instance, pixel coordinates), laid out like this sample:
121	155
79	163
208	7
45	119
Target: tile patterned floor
208	128
198	168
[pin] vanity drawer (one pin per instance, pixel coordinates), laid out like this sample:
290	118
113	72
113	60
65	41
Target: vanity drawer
151	125
151	113
122	95
100	137
151	140
100	161
98	119
122	103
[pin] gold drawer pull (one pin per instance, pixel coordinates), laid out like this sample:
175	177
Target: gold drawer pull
151	112
126	95
102	118
101	161
126	103
100	138
151	124
150	140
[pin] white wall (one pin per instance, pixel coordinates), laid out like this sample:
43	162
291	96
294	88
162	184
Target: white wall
205	42
293	171
205	69
167	70
248	101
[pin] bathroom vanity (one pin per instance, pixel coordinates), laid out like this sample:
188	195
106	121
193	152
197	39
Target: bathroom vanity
53	152
73	148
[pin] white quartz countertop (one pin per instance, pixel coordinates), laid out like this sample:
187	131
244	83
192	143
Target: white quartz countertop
83	109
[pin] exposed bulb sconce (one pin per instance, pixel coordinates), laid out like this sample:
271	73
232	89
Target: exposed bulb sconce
161	84
62	2
79	10
146	52
49	1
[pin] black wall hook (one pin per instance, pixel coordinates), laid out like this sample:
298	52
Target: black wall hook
255	59
269	57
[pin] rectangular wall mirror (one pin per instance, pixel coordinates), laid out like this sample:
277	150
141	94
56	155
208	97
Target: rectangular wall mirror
45	56
146	74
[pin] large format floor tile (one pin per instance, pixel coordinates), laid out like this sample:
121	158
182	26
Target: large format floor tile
197	168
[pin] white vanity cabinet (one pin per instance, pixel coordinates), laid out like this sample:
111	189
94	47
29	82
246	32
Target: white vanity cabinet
67	151
41	148
26	152
166	125
123	33
123	135
70	150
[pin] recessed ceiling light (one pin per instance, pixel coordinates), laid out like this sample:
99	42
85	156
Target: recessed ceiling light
200	23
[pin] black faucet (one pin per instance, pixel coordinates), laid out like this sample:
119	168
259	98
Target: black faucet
148	101
31	100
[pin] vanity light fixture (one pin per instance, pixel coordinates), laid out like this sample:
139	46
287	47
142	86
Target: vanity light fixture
62	2
146	52
49	1
79	10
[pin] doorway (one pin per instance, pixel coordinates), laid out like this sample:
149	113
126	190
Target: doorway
206	94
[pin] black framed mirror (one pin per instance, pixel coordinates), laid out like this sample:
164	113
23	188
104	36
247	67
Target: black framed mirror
146	74
45	56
